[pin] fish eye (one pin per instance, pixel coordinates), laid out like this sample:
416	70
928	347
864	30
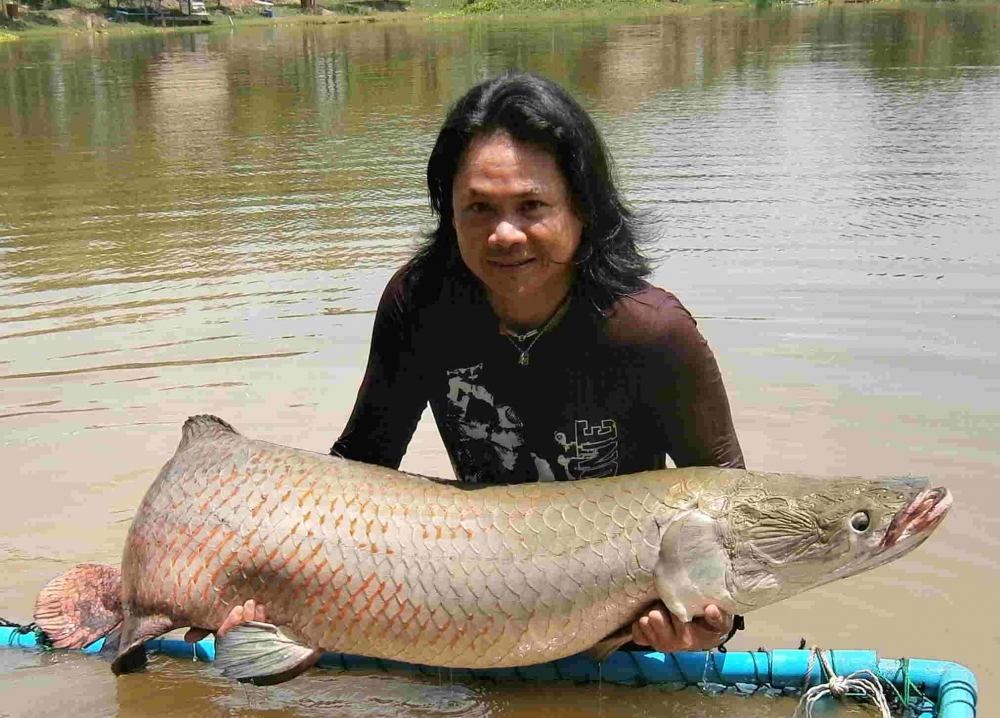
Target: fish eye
860	521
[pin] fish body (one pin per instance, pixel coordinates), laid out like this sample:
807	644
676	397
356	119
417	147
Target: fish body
355	558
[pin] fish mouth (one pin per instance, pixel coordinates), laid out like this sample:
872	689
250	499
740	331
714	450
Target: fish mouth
921	516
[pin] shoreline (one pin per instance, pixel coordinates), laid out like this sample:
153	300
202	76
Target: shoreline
76	20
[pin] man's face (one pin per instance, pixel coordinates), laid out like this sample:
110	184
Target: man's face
517	230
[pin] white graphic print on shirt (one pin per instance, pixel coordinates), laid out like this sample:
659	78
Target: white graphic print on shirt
490	436
594	451
477	418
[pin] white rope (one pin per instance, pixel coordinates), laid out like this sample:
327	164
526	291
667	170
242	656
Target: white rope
859	683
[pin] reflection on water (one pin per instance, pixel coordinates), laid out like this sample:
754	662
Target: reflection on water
203	222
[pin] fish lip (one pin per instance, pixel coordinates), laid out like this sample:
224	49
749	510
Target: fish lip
920	516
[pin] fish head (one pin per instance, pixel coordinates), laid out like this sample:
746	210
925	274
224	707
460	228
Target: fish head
746	540
786	534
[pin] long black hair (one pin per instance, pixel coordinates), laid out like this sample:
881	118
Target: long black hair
534	110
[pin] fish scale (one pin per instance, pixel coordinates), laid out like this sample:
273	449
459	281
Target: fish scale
229	518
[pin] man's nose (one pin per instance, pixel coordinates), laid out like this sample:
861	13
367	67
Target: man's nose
507	234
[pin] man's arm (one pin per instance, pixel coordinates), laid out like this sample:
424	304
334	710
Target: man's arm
391	398
692	415
693	407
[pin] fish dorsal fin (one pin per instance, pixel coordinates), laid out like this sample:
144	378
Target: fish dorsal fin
197	426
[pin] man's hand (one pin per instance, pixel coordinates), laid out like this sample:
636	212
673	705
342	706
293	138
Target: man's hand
664	632
249	611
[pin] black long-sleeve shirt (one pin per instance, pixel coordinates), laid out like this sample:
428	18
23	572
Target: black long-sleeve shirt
598	397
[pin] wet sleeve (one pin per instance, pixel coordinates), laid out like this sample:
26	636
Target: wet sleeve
692	407
390	400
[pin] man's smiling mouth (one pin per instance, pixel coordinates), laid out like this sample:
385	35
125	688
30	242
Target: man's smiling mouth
510	265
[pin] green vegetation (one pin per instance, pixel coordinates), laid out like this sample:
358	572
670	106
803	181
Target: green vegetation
42	17
364	7
49	16
448	8
478	7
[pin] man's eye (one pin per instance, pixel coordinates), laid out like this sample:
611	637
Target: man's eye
478	208
533	205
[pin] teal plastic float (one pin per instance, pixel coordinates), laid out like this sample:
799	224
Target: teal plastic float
937	689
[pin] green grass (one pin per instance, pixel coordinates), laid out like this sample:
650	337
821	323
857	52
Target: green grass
479	7
42	17
362	7
42	21
451	8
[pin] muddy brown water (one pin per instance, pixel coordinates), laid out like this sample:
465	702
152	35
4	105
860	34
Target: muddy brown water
203	223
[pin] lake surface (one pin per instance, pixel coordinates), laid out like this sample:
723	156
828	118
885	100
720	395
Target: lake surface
204	222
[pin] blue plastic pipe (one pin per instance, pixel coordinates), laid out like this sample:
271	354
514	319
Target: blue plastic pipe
951	686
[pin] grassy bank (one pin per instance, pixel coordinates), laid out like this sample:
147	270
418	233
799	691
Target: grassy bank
531	7
50	17
61	16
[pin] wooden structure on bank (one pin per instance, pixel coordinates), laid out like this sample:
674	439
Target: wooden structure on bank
153	12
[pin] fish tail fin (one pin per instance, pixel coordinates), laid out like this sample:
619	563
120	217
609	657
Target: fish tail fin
135	632
261	654
81	605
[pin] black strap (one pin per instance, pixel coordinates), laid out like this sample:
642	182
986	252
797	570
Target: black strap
26	628
41	637
738	625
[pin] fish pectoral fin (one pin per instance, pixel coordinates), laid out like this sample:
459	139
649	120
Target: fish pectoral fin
603	649
261	654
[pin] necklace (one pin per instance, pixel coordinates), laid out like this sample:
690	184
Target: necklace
525	340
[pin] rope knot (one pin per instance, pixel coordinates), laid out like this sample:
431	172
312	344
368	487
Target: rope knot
863	684
838	686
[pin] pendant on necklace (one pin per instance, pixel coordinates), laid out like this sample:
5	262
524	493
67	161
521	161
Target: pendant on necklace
523	359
